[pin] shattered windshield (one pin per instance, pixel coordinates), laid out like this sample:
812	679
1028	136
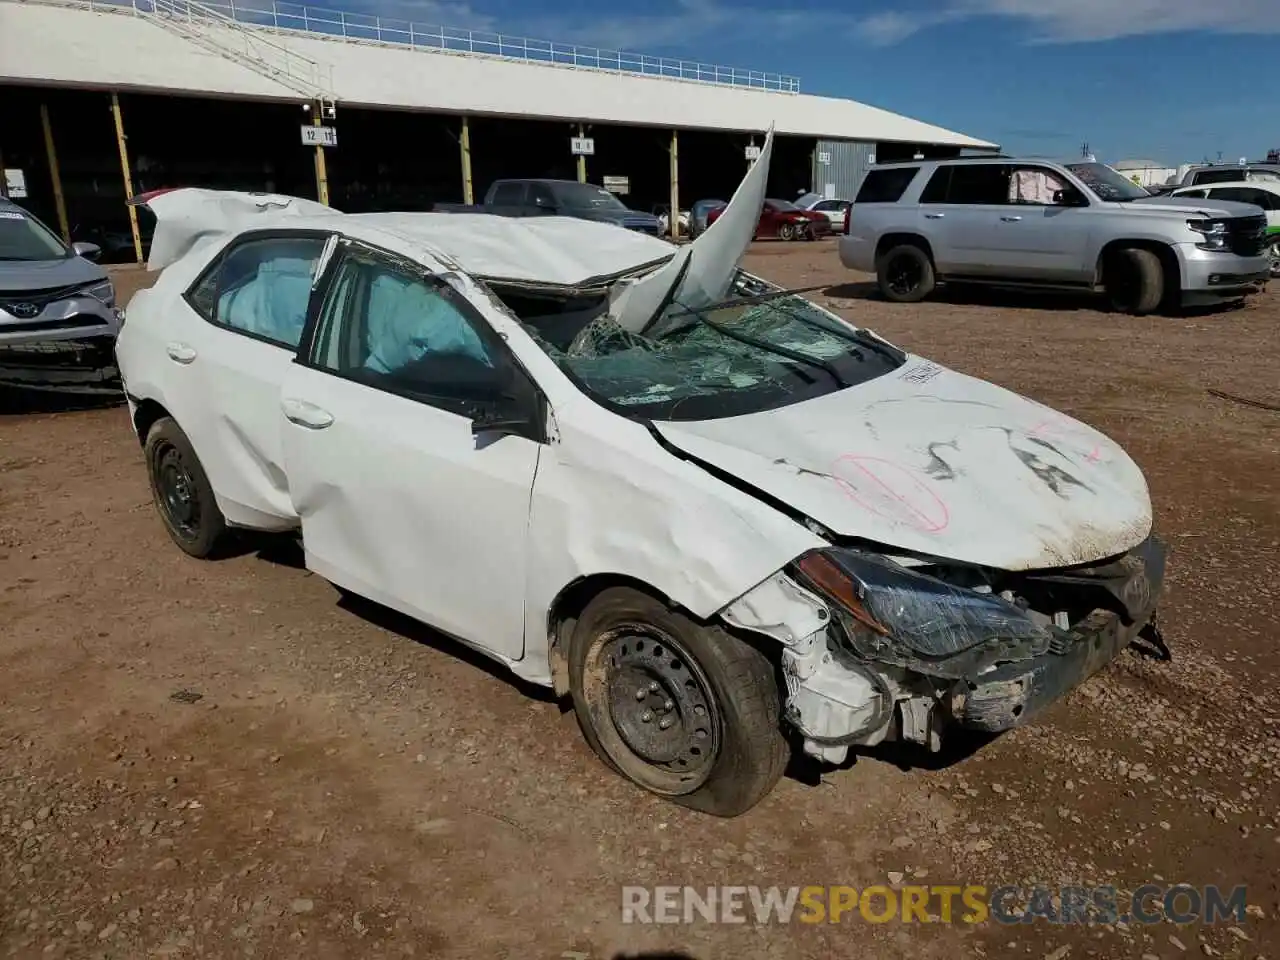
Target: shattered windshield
754	352
1106	183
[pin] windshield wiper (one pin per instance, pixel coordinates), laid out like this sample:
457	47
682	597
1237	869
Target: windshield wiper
755	298
793	355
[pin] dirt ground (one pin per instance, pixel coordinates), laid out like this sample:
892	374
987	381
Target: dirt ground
226	759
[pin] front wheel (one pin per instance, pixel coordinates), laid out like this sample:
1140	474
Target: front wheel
1134	280
787	231
182	492
1273	252
683	709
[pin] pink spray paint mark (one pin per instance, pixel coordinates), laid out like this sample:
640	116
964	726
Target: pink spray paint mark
892	484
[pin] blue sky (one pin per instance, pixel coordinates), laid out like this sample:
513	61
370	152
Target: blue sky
1169	80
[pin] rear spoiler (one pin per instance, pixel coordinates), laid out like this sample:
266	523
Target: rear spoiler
185	216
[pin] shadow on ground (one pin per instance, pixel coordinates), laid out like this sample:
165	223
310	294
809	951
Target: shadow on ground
963	294
22	401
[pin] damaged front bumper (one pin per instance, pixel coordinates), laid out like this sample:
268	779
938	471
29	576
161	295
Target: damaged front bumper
1013	693
852	680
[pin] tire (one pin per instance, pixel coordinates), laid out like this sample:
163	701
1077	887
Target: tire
1273	251
1135	281
786	231
905	274
181	491
631	657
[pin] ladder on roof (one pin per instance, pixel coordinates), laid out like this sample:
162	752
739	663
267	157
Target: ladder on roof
242	44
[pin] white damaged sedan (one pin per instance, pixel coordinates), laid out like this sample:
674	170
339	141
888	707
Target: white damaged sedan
718	516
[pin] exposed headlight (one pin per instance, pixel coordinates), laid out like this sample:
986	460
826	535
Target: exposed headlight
933	618
103	291
1214	232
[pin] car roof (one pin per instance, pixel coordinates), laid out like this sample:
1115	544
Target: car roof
552	251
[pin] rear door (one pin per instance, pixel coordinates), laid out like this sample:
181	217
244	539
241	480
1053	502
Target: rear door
960	207
226	372
402	499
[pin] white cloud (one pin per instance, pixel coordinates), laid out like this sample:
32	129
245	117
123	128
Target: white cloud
1075	21
691	26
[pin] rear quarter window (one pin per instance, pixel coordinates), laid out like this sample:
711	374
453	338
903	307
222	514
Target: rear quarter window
886	186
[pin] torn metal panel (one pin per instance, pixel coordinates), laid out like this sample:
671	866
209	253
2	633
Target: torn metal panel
702	272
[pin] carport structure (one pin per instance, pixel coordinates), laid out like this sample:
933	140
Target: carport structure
102	99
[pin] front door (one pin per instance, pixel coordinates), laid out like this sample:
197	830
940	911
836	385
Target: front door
400	501
1038	235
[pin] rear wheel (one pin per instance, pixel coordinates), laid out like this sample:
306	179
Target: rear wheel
905	274
685	710
182	492
1273	251
1134	280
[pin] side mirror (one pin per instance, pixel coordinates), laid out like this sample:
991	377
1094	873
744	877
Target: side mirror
509	407
90	251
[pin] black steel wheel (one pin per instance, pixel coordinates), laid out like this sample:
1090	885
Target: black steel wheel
905	274
685	710
660	705
182	492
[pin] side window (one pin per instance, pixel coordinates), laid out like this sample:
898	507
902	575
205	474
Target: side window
1198	194
540	195
886	185
1257	197
1215	176
260	287
979	183
1034	185
936	189
828	206
399	331
509	194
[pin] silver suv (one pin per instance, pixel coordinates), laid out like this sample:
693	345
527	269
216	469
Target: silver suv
58	315
1074	226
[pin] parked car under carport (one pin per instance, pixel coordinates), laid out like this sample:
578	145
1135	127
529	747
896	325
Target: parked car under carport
58	314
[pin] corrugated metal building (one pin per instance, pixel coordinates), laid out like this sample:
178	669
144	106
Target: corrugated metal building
840	165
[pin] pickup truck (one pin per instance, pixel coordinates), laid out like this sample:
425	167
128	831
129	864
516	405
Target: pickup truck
565	198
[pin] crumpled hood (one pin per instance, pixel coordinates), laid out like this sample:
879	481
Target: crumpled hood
930	461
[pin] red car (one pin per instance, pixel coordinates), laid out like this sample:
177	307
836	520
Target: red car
786	221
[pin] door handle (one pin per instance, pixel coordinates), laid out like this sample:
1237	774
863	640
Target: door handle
1010	219
305	414
180	352
934	216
